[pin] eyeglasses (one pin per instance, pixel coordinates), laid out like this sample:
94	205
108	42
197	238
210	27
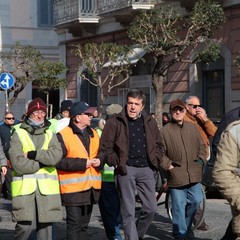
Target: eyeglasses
194	106
37	113
11	118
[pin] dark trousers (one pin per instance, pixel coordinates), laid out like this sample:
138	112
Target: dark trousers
78	218
6	187
109	206
138	181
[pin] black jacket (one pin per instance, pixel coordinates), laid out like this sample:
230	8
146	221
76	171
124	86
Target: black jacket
115	141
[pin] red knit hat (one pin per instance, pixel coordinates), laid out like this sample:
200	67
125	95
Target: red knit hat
35	105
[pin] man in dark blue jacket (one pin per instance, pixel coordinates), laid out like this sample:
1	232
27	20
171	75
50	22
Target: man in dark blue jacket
5	135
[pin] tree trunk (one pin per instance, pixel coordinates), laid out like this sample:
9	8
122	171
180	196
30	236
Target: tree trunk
102	98
157	82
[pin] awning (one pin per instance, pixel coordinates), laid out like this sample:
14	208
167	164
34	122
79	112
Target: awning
133	57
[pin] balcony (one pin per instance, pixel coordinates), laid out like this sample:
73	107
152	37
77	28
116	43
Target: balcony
81	11
89	11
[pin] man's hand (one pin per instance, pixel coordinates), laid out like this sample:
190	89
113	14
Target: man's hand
95	162
201	114
4	170
171	167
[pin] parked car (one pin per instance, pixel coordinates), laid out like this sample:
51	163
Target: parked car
211	190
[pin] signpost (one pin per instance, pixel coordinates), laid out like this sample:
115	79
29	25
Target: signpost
6	82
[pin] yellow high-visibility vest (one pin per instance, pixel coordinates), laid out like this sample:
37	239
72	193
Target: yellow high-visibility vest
46	177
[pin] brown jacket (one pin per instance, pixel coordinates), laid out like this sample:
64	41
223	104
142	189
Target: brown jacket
185	149
114	141
207	130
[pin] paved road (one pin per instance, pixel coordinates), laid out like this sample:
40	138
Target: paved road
217	215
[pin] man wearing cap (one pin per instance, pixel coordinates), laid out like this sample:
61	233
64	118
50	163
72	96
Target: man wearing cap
131	141
79	177
184	149
109	204
34	151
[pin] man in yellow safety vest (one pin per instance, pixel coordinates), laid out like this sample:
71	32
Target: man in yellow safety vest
34	151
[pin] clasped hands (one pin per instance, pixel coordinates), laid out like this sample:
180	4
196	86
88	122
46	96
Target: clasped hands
95	162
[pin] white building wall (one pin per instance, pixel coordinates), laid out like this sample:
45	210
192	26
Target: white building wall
19	23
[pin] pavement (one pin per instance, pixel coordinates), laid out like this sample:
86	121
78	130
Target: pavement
217	214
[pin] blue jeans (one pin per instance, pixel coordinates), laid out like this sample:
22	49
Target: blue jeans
185	202
109	205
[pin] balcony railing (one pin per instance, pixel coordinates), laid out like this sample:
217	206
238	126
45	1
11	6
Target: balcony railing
66	11
82	10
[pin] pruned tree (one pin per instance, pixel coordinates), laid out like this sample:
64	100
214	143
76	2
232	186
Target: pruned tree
168	35
21	62
106	66
27	65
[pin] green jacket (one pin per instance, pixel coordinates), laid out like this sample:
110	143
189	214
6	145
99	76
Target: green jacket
48	206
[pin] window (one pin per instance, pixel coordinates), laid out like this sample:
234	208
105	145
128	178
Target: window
89	93
45	13
213	92
122	96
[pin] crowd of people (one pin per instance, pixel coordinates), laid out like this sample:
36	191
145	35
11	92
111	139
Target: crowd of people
63	161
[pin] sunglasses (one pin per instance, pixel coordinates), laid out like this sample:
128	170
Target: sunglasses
10	118
177	109
194	106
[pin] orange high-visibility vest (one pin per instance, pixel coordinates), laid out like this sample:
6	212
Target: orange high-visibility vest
79	181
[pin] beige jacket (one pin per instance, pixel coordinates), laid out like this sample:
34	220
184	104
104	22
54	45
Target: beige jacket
226	172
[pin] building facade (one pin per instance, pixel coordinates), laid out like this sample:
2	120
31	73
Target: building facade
29	22
81	21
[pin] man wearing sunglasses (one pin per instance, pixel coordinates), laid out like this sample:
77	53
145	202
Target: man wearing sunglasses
197	115
5	134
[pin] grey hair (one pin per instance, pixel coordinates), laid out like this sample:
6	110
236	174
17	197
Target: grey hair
190	97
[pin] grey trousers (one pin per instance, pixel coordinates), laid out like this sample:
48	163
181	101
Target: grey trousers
142	182
33	230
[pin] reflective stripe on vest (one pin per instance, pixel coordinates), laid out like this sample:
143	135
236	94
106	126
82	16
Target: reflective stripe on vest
46	177
79	181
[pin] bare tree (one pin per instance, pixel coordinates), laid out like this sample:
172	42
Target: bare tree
26	64
106	66
168	35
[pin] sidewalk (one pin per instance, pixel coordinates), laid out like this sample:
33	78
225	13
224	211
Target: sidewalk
96	230
217	216
161	226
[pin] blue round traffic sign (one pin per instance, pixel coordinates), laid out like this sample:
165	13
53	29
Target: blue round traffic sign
6	81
